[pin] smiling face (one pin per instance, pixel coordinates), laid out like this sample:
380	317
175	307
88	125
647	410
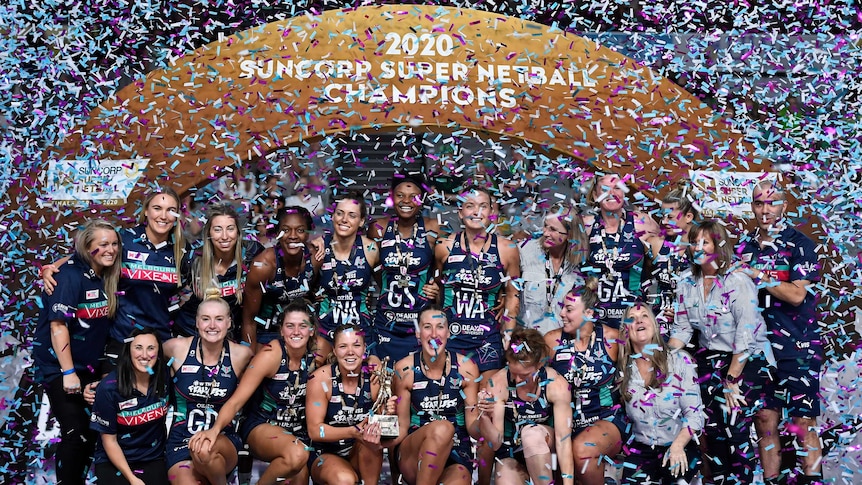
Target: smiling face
673	221
213	320
144	350
407	200
641	327
704	249
224	234
433	333
768	205
573	314
161	216
296	329
347	218
610	193
103	249
554	233
349	347
475	211
294	233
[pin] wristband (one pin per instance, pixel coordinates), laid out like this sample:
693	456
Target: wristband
69	372
731	379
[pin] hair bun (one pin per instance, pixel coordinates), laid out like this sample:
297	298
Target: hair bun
212	293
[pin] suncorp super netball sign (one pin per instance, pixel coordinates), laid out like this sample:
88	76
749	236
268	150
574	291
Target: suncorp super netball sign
396	65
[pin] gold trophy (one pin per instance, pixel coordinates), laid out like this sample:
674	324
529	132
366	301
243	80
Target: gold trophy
389	428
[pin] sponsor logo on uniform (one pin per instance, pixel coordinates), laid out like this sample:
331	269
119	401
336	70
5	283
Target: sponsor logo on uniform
92	294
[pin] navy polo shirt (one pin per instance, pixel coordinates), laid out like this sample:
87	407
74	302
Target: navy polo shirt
148	286
79	300
793	330
138	421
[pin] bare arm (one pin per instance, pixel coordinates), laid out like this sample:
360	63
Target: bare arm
318	394
561	398
492	410
470	387
402	387
512	265
264	364
262	271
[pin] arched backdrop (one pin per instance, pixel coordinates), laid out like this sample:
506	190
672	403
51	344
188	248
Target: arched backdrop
379	67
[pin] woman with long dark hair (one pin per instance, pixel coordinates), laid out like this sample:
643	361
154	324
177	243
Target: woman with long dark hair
273	393
130	411
70	340
339	399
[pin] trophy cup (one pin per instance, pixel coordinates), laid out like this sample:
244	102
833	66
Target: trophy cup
389	428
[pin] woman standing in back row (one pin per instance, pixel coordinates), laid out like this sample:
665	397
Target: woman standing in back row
406	243
617	239
549	267
346	272
70	338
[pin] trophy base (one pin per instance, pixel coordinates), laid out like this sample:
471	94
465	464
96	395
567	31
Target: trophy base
389	428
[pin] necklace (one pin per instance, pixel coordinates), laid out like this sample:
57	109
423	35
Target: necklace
349	402
557	279
436	413
476	260
403	259
213	373
338	283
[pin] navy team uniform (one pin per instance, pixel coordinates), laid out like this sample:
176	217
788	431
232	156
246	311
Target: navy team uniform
138	422
471	288
79	300
433	400
343	411
520	413
199	393
280	400
345	286
148	287
186	317
668	264
617	260
280	291
792	330
591	375
406	266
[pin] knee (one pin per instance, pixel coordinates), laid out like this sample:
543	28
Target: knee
344	477
535	441
508	471
441	431
202	457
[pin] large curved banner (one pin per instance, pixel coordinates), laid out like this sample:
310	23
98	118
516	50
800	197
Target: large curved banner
375	67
